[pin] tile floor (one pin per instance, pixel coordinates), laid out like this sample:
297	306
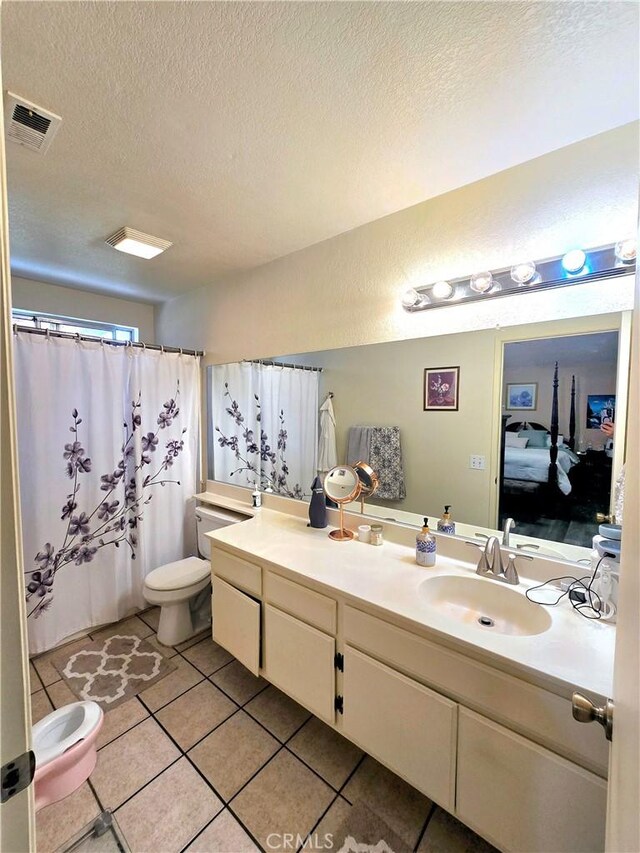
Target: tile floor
212	759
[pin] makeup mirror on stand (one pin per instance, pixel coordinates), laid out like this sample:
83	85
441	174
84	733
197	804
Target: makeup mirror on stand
369	482
342	485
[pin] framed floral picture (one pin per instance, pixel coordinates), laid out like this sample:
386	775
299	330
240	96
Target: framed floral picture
441	386
521	396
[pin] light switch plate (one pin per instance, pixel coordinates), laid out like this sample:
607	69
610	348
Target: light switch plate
477	462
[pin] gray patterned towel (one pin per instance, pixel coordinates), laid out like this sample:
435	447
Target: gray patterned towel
386	461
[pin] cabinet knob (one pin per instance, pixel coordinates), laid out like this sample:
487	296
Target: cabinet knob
602	517
584	711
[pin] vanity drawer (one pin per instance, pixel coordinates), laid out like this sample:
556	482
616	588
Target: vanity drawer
534	712
310	606
408	727
523	797
238	572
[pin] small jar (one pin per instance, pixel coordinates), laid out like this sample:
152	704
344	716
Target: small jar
376	534
364	533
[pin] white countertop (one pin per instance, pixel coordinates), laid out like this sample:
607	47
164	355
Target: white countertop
573	653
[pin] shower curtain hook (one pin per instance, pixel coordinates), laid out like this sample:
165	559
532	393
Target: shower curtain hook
15	328
144	346
48	333
180	350
162	348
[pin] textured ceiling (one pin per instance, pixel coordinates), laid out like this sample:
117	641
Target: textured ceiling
245	131
600	349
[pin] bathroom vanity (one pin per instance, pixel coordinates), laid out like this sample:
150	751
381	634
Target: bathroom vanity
393	657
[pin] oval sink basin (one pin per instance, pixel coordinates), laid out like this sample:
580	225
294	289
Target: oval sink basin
484	604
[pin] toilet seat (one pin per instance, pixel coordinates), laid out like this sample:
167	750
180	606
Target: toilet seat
64	728
178	575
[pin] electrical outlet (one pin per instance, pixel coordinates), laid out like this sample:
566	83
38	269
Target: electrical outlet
477	462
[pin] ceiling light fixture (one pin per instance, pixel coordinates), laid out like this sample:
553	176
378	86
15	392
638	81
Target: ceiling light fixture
574	261
481	282
136	243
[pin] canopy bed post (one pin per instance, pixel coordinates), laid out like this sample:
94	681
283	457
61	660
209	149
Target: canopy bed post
553	450
572	415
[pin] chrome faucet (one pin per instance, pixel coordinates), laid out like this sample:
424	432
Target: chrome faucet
491	564
508	526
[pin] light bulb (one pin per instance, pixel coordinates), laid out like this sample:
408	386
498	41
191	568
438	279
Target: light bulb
626	250
523	273
574	260
442	290
412	299
481	282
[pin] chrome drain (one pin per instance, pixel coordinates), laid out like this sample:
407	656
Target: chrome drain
486	622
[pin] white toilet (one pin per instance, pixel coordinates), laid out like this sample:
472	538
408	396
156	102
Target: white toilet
183	589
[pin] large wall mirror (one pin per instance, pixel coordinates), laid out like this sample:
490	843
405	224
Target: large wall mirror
462	419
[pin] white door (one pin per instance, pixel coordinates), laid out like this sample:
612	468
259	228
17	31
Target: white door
17	831
623	816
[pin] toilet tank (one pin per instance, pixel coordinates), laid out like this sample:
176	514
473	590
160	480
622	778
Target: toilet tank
210	518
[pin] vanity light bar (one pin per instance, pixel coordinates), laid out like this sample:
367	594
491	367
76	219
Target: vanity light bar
574	267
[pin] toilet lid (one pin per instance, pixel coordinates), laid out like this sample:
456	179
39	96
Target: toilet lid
178	575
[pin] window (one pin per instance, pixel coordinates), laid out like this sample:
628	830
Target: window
74	326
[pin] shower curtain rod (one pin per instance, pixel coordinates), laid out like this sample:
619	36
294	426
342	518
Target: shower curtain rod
270	363
52	333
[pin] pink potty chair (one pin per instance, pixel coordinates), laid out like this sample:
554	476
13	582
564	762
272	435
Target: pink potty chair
64	744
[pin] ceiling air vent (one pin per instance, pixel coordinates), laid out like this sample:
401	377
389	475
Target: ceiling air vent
29	125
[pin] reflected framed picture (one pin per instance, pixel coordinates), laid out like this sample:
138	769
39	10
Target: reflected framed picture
441	388
601	409
522	396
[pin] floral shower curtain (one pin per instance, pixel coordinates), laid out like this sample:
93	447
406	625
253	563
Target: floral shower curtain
265	426
108	441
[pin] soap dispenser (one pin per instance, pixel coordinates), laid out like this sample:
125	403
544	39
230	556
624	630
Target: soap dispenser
317	505
445	524
425	546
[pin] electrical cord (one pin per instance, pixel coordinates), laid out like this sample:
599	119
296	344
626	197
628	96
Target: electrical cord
590	606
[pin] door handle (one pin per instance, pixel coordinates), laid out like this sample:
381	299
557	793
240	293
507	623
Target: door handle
584	711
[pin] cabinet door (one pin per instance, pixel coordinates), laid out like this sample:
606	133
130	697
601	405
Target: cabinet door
300	660
521	796
405	725
236	623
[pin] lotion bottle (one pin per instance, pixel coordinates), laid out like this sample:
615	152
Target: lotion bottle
445	524
425	547
256	496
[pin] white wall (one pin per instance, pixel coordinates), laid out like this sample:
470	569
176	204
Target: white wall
345	291
40	296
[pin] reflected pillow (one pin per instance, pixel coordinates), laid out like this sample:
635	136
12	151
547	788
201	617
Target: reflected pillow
513	440
560	440
535	437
